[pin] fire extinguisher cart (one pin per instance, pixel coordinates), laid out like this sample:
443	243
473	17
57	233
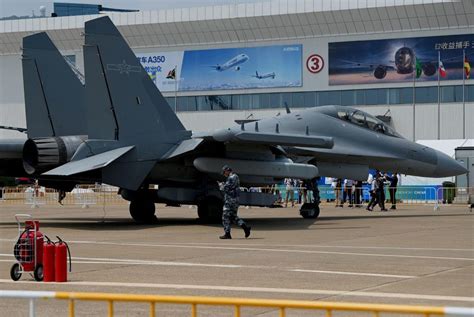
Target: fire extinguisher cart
28	249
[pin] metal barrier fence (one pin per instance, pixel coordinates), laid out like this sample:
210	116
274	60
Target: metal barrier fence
87	195
83	195
283	306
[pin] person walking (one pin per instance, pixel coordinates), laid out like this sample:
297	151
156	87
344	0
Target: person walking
393	190
371	180
231	190
290	192
380	191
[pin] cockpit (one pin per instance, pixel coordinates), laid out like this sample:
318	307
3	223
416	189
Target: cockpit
359	118
366	120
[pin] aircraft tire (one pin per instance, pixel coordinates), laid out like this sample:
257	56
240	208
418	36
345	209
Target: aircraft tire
210	210
143	211
309	211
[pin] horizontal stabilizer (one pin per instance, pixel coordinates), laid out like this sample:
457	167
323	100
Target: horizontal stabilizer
183	147
273	138
88	164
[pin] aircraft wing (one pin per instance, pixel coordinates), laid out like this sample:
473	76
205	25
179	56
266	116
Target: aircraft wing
283	139
339	154
88	164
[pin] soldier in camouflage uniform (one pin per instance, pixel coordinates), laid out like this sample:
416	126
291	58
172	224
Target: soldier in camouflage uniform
231	190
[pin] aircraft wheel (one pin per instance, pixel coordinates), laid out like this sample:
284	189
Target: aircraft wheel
15	273
143	211
309	211
210	210
38	273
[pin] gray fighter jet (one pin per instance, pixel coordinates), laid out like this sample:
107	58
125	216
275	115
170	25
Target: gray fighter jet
118	129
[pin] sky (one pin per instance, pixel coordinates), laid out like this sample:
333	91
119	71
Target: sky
25	7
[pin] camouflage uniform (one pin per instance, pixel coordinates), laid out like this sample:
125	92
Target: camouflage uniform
231	203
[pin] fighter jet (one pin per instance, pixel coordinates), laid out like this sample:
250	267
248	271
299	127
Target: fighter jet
132	138
264	75
233	62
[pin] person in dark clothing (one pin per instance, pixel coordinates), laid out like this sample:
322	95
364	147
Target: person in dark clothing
231	190
358	194
393	190
380	191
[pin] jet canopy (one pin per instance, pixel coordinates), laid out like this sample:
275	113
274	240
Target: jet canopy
366	120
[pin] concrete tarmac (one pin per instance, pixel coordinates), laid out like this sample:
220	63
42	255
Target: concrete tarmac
414	255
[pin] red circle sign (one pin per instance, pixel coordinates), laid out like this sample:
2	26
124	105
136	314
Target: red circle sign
315	63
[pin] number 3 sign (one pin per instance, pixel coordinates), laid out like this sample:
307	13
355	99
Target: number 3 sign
314	63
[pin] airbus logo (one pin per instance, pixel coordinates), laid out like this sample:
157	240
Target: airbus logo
123	68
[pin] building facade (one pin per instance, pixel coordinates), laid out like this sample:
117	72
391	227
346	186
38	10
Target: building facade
219	64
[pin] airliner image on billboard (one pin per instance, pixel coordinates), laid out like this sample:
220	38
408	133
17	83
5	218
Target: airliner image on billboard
235	68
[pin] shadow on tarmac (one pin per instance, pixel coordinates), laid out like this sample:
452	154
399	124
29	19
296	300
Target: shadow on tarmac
278	223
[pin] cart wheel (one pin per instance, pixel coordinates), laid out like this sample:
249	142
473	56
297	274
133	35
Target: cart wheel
38	273
15	273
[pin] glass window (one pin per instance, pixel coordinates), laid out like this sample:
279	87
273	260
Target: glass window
181	104
458	93
447	94
335	97
235	102
426	94
348	98
298	99
406	95
360	97
469	92
323	98
310	99
394	96
275	100
286	99
255	101
371	97
245	102
264	101
202	103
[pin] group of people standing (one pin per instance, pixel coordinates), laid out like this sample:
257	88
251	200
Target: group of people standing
347	190
377	191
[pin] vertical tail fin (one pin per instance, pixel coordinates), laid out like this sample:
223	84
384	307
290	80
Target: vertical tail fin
54	95
121	92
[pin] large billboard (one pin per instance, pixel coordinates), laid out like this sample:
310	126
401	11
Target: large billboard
399	60
228	68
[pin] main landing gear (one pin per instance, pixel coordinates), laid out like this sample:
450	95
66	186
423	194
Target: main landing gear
143	211
210	209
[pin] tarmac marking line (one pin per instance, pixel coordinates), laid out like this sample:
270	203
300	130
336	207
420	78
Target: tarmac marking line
83	260
354	273
288	245
273	250
257	290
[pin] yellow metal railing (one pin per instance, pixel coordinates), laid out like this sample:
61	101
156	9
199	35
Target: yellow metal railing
281	305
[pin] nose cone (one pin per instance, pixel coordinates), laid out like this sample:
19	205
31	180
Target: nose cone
447	166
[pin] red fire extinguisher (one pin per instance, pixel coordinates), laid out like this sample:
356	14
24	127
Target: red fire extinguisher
48	260
60	260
